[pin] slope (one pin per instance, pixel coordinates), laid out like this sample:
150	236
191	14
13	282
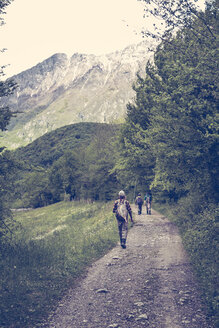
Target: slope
83	88
46	149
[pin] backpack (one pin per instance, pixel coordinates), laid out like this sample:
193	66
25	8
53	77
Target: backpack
139	200
148	198
122	211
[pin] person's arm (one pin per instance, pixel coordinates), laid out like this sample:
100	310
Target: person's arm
115	207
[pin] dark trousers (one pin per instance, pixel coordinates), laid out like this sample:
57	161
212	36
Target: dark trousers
139	208
123	230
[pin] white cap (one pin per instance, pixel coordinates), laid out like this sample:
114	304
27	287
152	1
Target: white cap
122	193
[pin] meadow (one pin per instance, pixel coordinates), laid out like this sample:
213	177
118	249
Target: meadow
50	249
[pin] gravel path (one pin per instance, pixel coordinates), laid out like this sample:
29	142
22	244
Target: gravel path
148	284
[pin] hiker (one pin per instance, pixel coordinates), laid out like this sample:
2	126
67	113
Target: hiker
139	202
148	201
122	209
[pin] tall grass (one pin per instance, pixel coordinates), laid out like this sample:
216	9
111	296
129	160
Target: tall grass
52	247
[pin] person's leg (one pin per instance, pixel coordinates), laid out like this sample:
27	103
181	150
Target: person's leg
124	233
140	208
120	231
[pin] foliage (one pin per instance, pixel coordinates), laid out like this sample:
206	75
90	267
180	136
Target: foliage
64	176
53	246
175	114
173	15
7	165
6	87
135	161
3	5
73	162
172	127
100	182
50	147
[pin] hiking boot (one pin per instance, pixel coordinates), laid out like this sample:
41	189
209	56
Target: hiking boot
123	243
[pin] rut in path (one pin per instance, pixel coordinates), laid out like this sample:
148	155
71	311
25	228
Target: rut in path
148	284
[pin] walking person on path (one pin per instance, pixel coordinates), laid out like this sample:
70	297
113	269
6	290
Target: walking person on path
148	201
139	202
122	209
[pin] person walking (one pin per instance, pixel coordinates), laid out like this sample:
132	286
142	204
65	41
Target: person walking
122	209
139	202
148	201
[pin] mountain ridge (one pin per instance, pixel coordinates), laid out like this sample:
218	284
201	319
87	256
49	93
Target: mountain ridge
64	90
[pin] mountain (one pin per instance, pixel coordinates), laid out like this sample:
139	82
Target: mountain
83	88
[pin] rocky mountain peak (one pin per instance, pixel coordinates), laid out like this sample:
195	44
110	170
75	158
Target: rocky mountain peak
61	91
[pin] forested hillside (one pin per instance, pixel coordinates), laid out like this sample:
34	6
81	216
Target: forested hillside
73	162
48	148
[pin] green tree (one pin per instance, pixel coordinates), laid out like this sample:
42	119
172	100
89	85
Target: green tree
34	190
64	177
174	15
8	86
101	181
7	168
175	112
6	163
183	128
175	115
134	160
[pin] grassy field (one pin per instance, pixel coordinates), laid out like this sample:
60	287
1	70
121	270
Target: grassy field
51	248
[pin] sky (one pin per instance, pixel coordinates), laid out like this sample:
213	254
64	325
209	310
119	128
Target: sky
36	29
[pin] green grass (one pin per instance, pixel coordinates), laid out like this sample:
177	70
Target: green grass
52	247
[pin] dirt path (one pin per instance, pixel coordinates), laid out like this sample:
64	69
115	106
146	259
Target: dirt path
148	284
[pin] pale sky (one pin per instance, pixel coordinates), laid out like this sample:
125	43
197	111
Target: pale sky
37	29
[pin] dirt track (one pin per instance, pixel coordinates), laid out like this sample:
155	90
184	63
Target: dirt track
148	284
